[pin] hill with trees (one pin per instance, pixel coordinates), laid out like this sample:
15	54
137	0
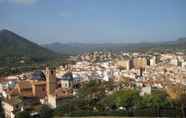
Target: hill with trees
18	52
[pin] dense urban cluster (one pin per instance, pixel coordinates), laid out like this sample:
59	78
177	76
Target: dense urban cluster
100	83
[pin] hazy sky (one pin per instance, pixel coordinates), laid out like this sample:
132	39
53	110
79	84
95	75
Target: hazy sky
98	21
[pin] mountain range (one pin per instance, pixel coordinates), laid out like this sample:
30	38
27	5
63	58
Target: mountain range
15	49
77	48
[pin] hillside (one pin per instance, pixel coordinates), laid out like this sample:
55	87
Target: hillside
15	49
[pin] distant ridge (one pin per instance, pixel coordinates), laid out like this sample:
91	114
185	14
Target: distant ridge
14	48
181	40
78	48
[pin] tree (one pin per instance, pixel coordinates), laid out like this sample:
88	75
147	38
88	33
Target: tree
23	114
106	104
127	98
181	101
90	89
59	111
1	110
156	100
45	111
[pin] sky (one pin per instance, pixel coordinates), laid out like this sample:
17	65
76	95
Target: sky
95	21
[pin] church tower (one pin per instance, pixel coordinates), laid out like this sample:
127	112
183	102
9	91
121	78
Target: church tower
51	86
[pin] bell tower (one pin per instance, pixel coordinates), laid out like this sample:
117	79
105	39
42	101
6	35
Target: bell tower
51	86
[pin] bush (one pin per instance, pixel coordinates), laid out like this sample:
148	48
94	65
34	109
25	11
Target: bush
45	112
23	114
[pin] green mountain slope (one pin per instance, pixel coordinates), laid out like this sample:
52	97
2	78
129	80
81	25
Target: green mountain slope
15	49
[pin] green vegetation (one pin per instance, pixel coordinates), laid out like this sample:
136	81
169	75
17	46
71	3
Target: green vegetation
22	114
45	112
15	49
93	100
1	110
8	70
18	54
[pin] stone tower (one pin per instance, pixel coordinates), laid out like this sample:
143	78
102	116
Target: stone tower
51	86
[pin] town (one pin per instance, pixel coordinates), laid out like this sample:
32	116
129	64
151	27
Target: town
92	58
109	74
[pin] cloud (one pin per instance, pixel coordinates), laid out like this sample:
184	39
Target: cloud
23	2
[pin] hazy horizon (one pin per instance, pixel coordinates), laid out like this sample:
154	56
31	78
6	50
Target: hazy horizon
95	21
